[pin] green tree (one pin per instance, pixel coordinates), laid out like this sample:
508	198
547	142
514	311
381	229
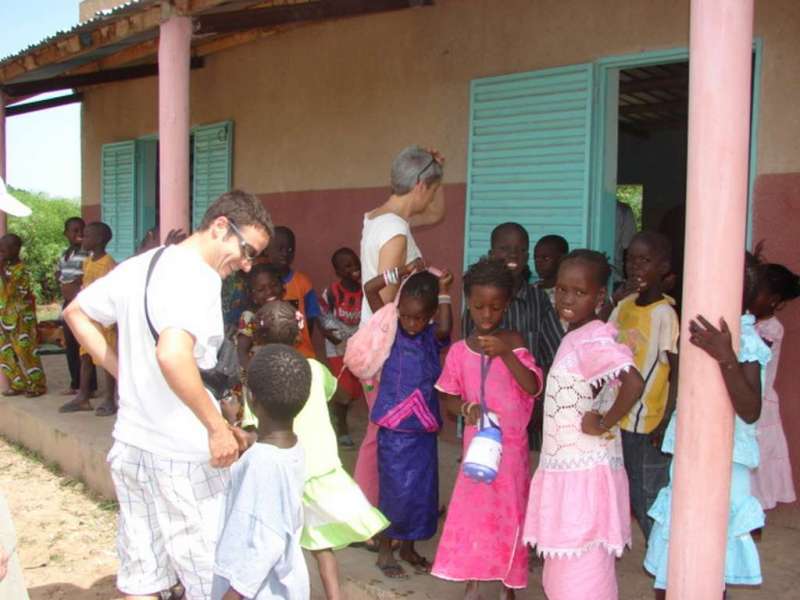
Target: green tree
632	196
43	240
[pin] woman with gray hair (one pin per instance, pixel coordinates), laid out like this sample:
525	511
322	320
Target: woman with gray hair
417	199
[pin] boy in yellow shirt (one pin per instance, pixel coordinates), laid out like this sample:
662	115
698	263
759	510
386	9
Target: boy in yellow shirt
648	324
96	237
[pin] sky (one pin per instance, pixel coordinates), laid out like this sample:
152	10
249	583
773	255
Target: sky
43	148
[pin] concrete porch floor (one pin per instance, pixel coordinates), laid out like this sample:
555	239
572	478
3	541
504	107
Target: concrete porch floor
79	442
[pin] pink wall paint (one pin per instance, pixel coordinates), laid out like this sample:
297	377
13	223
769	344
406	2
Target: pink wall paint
720	44
174	48
324	220
776	220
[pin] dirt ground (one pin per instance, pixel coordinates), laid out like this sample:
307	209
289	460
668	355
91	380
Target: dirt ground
64	537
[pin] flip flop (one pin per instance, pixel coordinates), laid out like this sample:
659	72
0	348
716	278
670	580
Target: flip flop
72	406
12	393
421	564
106	409
34	394
393	571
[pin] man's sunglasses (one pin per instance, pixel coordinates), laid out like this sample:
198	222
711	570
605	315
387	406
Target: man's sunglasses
248	252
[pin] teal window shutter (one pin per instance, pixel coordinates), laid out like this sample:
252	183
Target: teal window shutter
118	196
529	156
211	166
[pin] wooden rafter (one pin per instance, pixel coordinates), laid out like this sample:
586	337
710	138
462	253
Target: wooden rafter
61	82
273	16
21	109
680	106
656	83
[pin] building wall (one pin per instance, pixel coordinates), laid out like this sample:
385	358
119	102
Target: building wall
320	111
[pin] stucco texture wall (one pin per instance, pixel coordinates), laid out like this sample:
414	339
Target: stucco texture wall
327	106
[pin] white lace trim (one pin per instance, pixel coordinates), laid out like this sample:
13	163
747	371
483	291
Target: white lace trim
577	552
581	463
603	379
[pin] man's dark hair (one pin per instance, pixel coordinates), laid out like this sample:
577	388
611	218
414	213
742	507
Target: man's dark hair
554	241
276	323
425	287
280	379
14	242
105	231
240	207
341	252
72	220
489	272
597	261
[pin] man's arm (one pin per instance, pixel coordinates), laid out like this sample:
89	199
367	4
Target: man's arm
176	359
90	335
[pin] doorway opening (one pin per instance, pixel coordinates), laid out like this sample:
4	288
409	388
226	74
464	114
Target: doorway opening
652	139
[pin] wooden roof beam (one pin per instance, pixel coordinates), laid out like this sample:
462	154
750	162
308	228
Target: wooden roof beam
657	83
680	106
317	10
28	88
82	41
21	109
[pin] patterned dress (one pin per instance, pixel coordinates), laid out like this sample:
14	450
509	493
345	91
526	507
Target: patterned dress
18	336
579	512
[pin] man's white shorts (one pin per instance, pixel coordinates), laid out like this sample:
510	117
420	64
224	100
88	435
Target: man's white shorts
169	511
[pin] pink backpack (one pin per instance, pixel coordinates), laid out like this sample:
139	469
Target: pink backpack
369	347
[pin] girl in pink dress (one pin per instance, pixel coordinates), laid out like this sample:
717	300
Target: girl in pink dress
578	514
772	479
482	537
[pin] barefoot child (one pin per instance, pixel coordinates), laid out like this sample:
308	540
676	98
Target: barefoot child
299	290
742	374
258	551
482	537
772	479
648	325
18	336
341	314
578	514
96	237
406	412
336	512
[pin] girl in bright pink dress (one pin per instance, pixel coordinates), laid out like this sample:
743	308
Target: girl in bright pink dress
578	514
772	479
482	537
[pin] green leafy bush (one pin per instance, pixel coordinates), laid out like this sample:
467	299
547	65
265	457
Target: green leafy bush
43	240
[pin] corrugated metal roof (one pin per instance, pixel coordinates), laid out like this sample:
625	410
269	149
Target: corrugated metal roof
99	17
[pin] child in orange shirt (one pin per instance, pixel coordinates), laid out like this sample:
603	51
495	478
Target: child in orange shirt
298	288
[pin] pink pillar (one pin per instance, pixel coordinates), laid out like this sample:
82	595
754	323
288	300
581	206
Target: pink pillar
720	59
3	155
174	50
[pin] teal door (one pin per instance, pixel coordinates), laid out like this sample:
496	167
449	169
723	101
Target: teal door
529	156
118	196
